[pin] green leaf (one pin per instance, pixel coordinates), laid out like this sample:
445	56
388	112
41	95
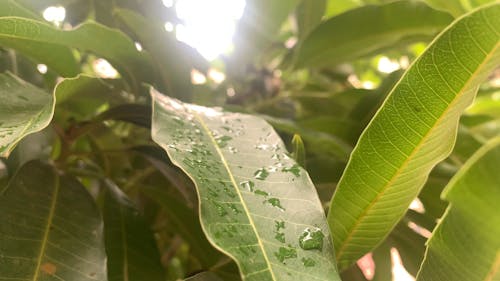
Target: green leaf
369	29
413	130
252	194
186	223
58	58
175	65
488	104
466	243
51	228
10	8
259	26
25	34
308	15
24	109
130	245
80	97
299	152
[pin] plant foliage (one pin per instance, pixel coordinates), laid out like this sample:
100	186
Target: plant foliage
342	134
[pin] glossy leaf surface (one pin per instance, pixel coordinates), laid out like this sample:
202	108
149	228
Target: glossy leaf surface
466	243
59	58
24	109
369	29
413	130
256	204
130	245
51	228
23	34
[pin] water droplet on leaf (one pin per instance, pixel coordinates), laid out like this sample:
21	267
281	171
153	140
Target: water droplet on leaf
285	253
248	185
295	170
275	202
261	174
311	239
280	237
308	262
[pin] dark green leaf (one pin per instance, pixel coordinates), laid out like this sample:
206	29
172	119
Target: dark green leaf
130	245
51	228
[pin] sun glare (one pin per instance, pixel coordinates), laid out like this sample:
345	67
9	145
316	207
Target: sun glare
208	26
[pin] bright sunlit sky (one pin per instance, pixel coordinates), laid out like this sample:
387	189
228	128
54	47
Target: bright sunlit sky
208	26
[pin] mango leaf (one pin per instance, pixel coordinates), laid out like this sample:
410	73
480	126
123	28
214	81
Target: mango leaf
58	58
24	109
488	104
466	243
258	26
113	45
369	29
308	15
173	66
256	204
51	228
186	223
413	130
130	245
13	9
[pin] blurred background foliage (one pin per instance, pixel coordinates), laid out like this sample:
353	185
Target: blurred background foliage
315	68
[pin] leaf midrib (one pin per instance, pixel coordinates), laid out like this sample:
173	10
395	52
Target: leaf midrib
47	227
416	150
235	185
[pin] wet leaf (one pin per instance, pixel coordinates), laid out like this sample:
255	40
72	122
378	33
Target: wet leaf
24	109
253	196
413	131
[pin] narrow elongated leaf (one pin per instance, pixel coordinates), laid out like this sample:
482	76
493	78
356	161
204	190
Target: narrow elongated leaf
369	29
51	228
175	65
58	58
413	130
309	15
256	204
21	34
130	245
13	9
24	109
466	243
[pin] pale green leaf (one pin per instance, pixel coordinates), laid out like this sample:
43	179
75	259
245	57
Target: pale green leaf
369	29
51	228
130	245
308	15
299	152
24	109
25	34
256	204
466	243
414	129
58	58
